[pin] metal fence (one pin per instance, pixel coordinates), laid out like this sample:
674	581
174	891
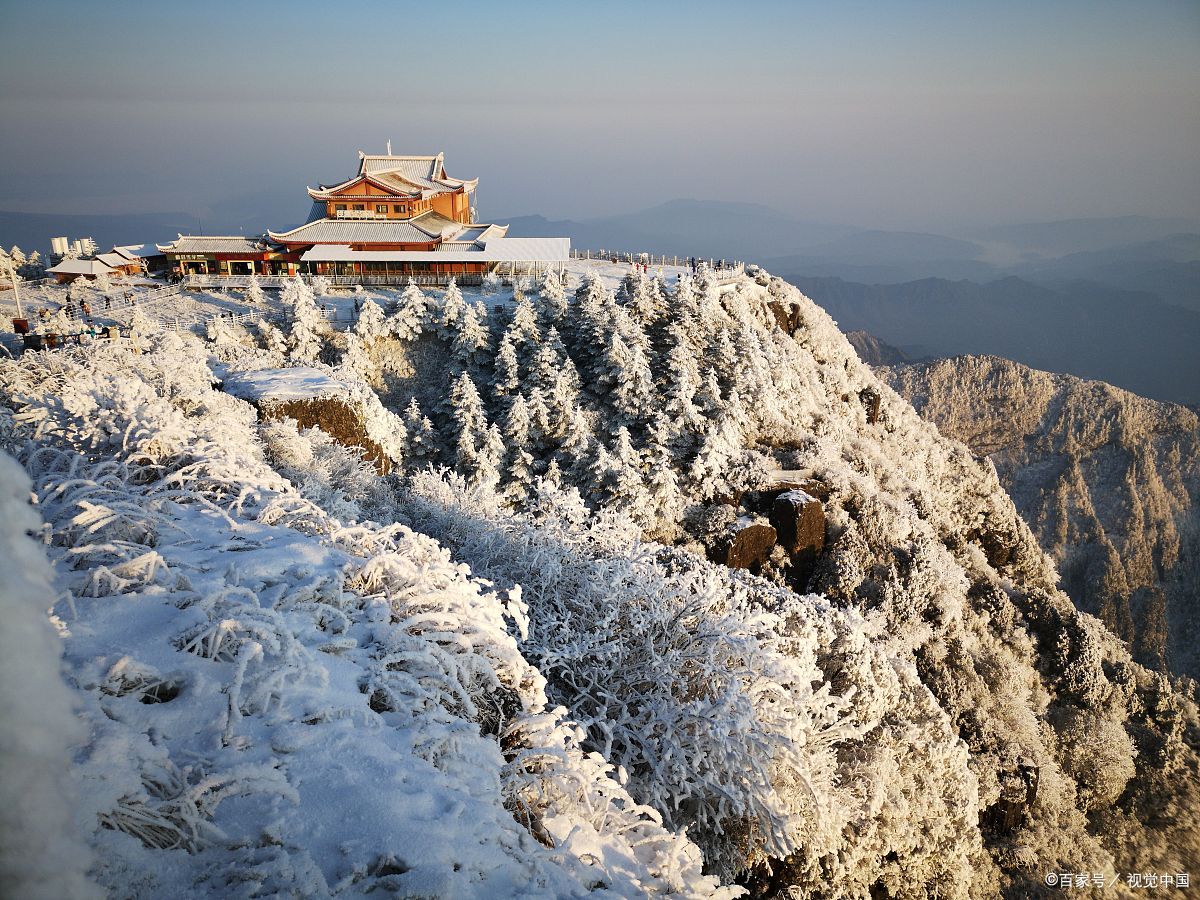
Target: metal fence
720	266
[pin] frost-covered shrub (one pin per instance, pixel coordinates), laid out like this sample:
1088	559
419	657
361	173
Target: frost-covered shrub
42	854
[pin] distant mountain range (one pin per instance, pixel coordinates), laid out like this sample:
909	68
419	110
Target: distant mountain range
1131	339
688	228
33	231
1109	482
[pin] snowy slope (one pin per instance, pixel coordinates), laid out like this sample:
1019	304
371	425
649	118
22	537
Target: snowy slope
1109	481
279	702
352	705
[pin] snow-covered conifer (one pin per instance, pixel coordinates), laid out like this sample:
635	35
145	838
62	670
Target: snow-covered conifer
524	327
355	360
254	291
553	306
421	444
451	309
273	340
491	457
305	321
411	313
470	423
518	468
320	285
507	380
370	324
471	340
490	284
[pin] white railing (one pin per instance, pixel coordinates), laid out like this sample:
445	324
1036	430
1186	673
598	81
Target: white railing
358	214
723	268
107	304
234	281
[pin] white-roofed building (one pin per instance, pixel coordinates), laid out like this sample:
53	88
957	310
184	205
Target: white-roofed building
397	217
71	268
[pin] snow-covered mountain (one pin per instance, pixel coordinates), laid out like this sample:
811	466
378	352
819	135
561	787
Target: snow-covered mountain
1109	482
511	665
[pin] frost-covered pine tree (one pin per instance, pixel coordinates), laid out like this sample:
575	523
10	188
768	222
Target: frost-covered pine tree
491	458
471	341
272	339
104	283
721	443
411	313
451	309
34	267
627	379
708	397
422	442
370	324
355	361
217	330
554	298
627	486
306	321
507	379
320	285
664	498
518	467
683	383
140	326
542	430
524	327
254	291
470	424
490	285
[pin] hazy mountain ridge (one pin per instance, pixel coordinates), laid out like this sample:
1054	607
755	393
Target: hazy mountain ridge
875	352
1130	339
1109	482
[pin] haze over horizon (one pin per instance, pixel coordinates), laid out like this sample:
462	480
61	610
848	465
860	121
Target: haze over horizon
926	116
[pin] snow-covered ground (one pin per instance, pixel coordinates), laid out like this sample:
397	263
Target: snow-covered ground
192	304
507	668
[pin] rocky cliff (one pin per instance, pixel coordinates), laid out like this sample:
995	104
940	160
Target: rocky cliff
1109	482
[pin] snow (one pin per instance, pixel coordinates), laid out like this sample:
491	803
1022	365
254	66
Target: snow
298	383
42	854
507	668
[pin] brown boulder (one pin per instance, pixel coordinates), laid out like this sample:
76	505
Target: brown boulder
799	522
747	546
870	400
337	418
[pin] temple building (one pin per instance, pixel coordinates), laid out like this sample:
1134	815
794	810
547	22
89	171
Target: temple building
397	217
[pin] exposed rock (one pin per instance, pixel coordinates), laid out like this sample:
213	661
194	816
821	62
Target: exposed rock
1109	482
1018	791
747	545
799	522
875	352
870	400
787	316
313	399
337	418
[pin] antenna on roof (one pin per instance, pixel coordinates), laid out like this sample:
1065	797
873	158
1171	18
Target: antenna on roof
389	146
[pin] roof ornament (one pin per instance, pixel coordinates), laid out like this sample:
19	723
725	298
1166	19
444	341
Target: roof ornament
389	147
361	154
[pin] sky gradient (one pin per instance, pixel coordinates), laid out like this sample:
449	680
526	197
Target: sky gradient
915	115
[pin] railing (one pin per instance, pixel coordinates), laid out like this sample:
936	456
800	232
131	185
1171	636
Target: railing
113	302
235	281
723	268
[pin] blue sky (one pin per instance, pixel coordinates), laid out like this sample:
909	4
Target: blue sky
898	115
